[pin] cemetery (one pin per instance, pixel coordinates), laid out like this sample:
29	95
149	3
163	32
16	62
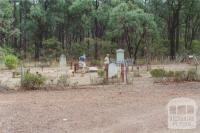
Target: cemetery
119	71
110	94
70	94
99	66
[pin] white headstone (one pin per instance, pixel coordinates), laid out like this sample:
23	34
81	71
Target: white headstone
63	65
22	72
120	55
63	61
112	70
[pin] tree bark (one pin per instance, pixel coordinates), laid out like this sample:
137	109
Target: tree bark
15	24
96	54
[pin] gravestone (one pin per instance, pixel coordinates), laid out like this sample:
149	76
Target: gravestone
112	70
63	61
63	65
120	56
22	73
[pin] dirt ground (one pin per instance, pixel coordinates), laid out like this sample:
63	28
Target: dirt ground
137	108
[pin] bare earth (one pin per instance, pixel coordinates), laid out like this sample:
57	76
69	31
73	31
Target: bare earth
137	108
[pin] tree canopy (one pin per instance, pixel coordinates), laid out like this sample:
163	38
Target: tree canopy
33	28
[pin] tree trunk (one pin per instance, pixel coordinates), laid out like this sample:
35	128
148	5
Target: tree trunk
96	54
172	44
14	24
177	32
138	45
37	51
186	32
127	38
20	20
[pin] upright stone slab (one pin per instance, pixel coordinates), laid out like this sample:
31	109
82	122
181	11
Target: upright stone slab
63	65
63	61
122	64
112	70
22	72
120	56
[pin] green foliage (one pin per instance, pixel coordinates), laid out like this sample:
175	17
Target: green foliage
180	76
192	75
79	6
129	23
52	48
160	48
11	61
49	26
195	48
6	21
37	13
101	73
176	75
33	81
6	51
158	73
169	74
52	43
182	51
77	50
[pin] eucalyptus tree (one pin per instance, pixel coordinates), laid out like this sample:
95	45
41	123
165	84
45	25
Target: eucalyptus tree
44	18
130	26
91	18
169	16
191	14
7	31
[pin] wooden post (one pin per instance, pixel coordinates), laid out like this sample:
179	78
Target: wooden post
75	67
106	69
71	65
122	72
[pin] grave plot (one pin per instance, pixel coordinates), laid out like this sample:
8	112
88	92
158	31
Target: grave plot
120	71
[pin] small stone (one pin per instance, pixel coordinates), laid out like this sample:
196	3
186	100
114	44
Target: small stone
64	119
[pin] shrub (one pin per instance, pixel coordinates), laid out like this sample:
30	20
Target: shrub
180	76
6	50
195	47
177	76
11	61
170	74
192	75
101	73
33	81
158	73
63	80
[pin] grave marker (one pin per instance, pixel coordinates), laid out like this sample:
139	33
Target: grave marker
120	56
63	61
63	65
112	70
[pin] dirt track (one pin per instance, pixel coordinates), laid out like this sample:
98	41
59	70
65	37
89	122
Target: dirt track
138	108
